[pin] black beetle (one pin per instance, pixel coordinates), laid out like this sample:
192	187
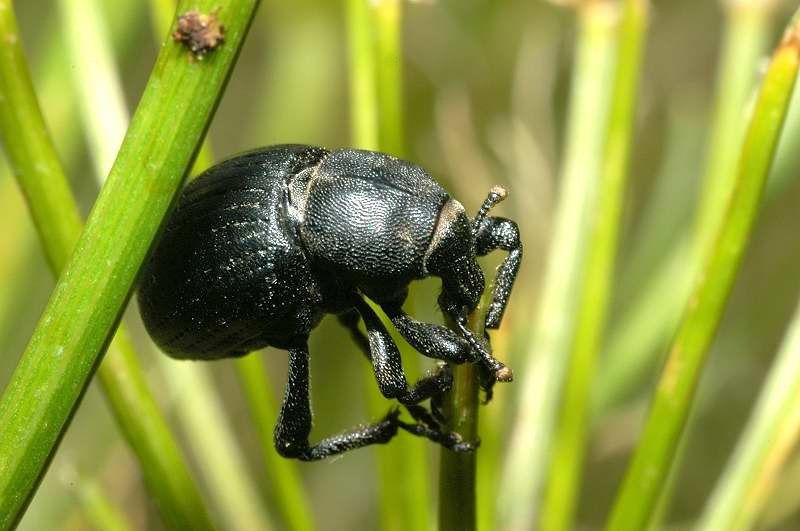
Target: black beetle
260	247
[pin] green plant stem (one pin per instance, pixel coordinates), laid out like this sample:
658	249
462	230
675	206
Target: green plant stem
198	407
55	213
363	84
554	325
365	116
292	501
388	16
634	344
415	501
100	511
230	485
572	426
457	470
161	14
768	440
656	451
745	41
32	156
84	309
94	73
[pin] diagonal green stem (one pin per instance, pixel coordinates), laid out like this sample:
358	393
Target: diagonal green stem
649	467
80	318
768	440
98	508
42	179
655	311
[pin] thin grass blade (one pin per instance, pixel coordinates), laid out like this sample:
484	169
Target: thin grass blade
554	325
569	444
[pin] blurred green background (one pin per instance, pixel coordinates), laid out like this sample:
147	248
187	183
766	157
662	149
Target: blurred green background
486	86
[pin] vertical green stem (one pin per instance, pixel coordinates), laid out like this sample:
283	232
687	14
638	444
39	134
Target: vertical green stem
364	119
389	41
457	470
570	438
29	150
415	502
363	87
554	325
94	73
649	467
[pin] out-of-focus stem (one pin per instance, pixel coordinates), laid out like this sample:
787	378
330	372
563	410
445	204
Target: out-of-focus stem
569	444
554	325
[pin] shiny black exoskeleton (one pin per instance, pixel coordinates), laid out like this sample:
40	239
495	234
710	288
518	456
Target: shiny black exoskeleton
260	247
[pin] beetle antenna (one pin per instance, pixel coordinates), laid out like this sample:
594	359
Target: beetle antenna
496	194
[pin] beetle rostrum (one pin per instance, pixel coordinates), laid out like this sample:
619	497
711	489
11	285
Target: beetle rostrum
260	247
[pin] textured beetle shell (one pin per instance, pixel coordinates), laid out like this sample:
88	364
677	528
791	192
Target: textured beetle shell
369	218
261	245
226	277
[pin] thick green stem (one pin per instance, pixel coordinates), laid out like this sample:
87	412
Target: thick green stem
650	465
53	208
80	318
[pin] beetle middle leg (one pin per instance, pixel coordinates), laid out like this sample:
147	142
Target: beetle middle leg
381	350
386	361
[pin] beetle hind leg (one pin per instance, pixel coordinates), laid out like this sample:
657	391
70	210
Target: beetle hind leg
294	423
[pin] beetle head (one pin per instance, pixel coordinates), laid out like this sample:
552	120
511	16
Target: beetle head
451	256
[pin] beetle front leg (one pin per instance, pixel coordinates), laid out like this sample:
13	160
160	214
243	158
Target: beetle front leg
429	339
442	343
499	233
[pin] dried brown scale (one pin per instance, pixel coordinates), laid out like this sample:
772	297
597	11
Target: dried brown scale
200	32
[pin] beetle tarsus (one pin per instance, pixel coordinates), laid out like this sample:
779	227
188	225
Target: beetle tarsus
450	440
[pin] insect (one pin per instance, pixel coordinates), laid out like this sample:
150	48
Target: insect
260	247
